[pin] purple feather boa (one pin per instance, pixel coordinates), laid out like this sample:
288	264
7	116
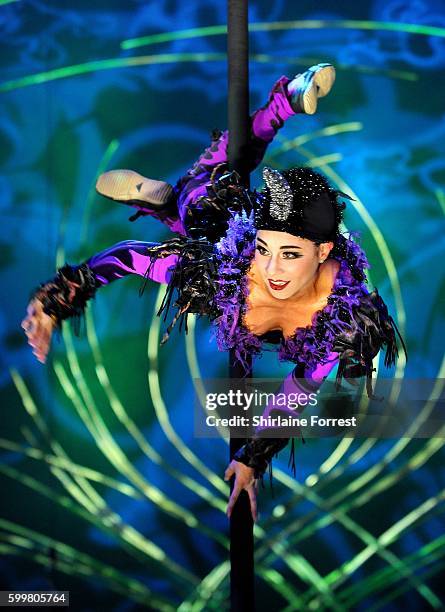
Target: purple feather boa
310	345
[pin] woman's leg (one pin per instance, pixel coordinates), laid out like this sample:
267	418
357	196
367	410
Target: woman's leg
287	98
157	198
212	164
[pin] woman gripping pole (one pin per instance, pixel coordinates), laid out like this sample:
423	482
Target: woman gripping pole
263	266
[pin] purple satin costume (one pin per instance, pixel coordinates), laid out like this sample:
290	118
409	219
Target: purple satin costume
129	257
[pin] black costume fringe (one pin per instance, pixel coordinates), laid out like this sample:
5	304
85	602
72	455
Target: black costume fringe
67	294
192	287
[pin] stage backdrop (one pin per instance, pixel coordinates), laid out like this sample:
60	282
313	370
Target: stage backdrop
104	489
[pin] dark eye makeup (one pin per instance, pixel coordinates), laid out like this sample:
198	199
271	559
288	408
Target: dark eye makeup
291	255
286	254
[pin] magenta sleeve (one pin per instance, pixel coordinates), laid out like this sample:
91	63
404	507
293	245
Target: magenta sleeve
301	382
258	451
130	257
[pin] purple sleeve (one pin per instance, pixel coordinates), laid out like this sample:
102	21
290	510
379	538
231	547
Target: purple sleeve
129	257
302	383
259	451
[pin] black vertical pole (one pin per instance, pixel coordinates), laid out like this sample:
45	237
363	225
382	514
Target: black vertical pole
238	84
241	524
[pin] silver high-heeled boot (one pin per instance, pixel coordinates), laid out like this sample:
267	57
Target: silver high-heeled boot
306	88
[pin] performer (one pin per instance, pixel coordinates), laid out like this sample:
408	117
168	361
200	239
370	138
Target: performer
268	266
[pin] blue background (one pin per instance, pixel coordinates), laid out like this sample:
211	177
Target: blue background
361	526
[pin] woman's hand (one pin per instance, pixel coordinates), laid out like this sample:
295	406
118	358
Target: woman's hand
244	479
38	328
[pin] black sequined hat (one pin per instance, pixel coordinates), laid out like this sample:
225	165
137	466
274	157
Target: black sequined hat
300	202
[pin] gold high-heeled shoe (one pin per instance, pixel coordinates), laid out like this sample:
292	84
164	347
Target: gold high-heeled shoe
131	188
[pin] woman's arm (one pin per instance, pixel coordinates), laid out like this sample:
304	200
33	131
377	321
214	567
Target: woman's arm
66	295
130	257
258	452
252	460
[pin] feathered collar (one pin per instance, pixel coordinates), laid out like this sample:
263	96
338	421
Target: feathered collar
309	345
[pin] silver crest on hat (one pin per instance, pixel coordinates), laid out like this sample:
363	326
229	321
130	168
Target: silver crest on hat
281	197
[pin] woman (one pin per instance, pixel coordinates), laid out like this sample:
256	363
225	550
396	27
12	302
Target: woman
264	266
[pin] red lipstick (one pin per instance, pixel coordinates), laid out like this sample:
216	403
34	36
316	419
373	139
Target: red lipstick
278	285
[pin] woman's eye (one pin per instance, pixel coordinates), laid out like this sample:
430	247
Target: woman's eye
261	250
291	255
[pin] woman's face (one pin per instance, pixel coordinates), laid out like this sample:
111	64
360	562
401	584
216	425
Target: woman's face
287	264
